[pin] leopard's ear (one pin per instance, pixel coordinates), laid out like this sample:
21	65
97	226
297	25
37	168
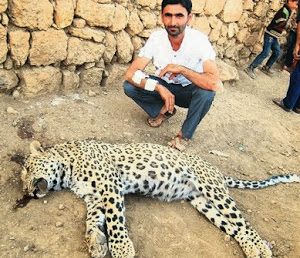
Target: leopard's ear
36	148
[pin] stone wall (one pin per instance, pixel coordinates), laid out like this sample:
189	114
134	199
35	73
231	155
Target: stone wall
55	45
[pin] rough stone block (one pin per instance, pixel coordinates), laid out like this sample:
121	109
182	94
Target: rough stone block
40	80
3	6
91	77
83	51
48	47
33	14
8	80
64	13
124	47
3	44
96	14
233	10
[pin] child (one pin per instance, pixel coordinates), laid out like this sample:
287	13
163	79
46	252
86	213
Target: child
273	32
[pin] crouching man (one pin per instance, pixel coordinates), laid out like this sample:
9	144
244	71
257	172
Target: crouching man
186	73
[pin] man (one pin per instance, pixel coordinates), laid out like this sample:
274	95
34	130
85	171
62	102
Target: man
272	34
186	73
292	99
289	58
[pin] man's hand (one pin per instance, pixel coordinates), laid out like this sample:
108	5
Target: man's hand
207	80
171	68
167	97
297	46
296	52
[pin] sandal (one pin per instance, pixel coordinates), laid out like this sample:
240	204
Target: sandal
296	110
152	122
178	143
279	102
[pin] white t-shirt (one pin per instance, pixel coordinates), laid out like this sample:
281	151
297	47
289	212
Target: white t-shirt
194	50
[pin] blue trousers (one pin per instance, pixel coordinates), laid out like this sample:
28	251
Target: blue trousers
290	48
197	100
270	43
292	99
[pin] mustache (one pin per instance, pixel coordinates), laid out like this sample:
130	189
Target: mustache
172	27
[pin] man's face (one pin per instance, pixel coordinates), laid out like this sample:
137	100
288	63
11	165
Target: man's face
175	18
293	4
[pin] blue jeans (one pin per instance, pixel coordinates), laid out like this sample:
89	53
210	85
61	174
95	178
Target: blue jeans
292	99
197	100
270	43
290	49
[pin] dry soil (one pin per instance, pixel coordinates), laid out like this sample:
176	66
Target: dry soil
256	139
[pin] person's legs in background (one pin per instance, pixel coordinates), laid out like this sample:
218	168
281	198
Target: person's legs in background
261	57
276	52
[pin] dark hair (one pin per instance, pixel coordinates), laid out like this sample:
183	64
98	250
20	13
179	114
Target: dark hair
187	4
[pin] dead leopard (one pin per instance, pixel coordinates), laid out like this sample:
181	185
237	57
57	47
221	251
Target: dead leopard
103	173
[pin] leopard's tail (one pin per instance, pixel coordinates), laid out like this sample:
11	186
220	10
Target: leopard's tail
274	180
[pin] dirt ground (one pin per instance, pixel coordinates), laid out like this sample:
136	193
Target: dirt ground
257	138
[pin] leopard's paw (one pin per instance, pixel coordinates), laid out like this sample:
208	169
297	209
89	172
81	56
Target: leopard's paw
266	251
124	249
97	244
252	252
249	248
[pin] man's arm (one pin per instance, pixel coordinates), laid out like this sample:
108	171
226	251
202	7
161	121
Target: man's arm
208	80
139	64
297	46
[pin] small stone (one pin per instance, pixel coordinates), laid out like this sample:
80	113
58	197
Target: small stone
45	202
12	111
273	202
59	224
249	211
61	207
12	238
287	154
92	93
243	148
266	220
235	253
26	248
231	144
16	94
128	134
218	153
79	23
227	238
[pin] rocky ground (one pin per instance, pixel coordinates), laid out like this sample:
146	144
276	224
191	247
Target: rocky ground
256	139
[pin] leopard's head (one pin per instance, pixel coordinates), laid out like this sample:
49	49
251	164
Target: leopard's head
40	172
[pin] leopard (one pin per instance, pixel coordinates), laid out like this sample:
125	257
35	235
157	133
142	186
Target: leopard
103	173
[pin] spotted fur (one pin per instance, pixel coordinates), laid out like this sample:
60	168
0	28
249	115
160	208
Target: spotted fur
102	174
